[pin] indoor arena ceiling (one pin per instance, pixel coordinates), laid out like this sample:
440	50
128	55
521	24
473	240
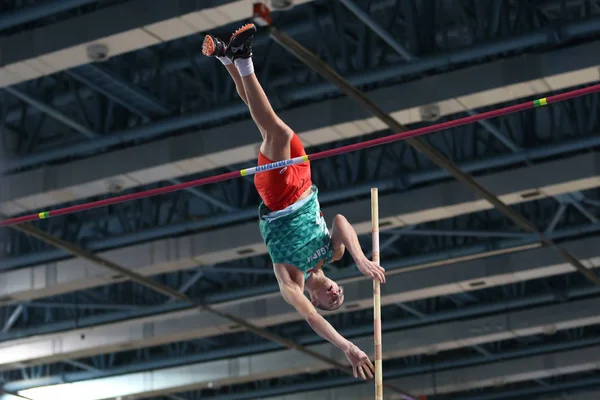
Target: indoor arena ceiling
474	308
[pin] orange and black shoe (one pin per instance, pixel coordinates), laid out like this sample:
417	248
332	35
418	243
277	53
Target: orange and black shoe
240	44
213	47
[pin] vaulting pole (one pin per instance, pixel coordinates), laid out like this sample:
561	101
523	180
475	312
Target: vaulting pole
377	297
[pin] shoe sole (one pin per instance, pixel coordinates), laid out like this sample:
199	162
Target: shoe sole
208	46
243	29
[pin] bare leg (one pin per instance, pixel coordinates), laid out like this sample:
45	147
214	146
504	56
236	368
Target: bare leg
239	85
277	135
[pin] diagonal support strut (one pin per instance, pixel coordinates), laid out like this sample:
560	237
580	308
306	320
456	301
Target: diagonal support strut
315	63
177	295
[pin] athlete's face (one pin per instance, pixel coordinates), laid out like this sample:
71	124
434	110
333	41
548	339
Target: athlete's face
329	296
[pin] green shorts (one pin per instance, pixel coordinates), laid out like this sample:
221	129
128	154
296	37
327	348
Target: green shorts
297	235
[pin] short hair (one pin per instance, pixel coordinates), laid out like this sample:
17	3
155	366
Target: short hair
335	306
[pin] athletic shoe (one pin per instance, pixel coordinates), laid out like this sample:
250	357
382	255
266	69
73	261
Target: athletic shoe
213	47
240	44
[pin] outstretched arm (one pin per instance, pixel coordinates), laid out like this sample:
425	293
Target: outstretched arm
343	236
293	295
361	365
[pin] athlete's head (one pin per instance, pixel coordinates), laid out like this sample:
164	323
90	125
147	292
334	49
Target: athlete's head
327	295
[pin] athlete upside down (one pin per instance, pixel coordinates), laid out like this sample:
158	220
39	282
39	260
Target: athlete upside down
291	221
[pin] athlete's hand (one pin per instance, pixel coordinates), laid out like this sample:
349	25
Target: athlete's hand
360	362
371	269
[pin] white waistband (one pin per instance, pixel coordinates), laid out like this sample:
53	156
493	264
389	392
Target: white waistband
273	215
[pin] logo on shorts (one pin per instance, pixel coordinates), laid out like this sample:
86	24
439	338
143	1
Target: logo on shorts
282	170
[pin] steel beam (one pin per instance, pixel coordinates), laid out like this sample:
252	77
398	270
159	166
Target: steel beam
164	22
199	306
409	179
268	309
471	312
432	259
199	193
455	380
310	91
12	319
178	64
119	90
52	112
432	203
569	199
319	66
378	29
39	11
398	344
204	151
134	26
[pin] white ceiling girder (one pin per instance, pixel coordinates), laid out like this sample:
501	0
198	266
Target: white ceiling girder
461	379
424	340
36	53
268	310
317	124
52	48
432	203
